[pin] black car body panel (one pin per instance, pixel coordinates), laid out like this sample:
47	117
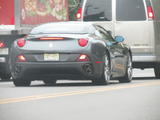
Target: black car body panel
67	66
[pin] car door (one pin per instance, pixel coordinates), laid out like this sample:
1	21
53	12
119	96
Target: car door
117	52
131	22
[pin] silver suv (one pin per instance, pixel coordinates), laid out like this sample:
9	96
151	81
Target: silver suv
137	20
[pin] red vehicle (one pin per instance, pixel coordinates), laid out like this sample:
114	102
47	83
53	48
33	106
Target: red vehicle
18	17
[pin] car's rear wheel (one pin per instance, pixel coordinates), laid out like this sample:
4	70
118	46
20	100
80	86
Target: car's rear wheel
5	76
157	70
21	82
106	75
129	71
49	81
5	73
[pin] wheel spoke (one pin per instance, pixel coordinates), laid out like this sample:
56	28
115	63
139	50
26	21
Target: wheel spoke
106	69
129	68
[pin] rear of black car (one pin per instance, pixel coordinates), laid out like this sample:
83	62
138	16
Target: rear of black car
49	55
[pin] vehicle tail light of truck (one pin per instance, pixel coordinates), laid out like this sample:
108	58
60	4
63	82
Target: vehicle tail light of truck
79	13
83	42
21	58
2	44
51	38
83	58
150	12
21	42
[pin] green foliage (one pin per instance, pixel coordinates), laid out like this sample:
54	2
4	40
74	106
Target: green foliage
73	5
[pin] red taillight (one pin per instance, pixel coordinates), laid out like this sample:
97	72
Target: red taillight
99	62
21	58
21	42
150	12
51	38
83	42
79	13
2	44
83	57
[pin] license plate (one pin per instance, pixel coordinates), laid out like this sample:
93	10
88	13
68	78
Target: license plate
4	51
51	57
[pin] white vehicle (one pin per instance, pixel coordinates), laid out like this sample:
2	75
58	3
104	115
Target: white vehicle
137	20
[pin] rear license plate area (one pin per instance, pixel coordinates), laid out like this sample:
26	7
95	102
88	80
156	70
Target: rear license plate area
4	51
51	57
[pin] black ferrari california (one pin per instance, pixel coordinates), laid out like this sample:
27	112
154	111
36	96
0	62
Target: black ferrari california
70	50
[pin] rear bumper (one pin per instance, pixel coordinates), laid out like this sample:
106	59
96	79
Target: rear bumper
56	70
3	60
144	58
4	54
4	66
144	61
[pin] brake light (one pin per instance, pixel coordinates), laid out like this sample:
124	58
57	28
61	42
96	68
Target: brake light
83	57
150	12
79	13
83	42
21	42
51	38
99	62
2	44
21	58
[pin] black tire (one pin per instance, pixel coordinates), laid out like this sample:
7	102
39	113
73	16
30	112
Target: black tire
105	78
5	73
5	76
157	71
129	72
21	82
49	82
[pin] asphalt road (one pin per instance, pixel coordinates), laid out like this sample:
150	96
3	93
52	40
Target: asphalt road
79	100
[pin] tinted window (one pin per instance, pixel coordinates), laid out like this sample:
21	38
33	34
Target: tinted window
81	3
130	10
98	10
148	2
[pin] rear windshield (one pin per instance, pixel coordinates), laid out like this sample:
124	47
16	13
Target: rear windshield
64	28
130	10
81	3
98	10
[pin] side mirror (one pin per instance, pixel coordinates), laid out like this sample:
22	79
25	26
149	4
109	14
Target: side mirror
119	39
109	43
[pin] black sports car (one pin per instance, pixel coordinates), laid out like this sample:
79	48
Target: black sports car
70	50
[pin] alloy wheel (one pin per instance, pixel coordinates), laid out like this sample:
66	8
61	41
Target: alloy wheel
129	68
106	70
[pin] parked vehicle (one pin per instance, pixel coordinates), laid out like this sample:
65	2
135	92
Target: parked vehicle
137	20
70	50
18	17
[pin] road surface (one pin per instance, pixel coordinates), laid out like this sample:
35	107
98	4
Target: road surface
80	100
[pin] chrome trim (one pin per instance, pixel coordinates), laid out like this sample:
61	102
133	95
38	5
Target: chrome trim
144	58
